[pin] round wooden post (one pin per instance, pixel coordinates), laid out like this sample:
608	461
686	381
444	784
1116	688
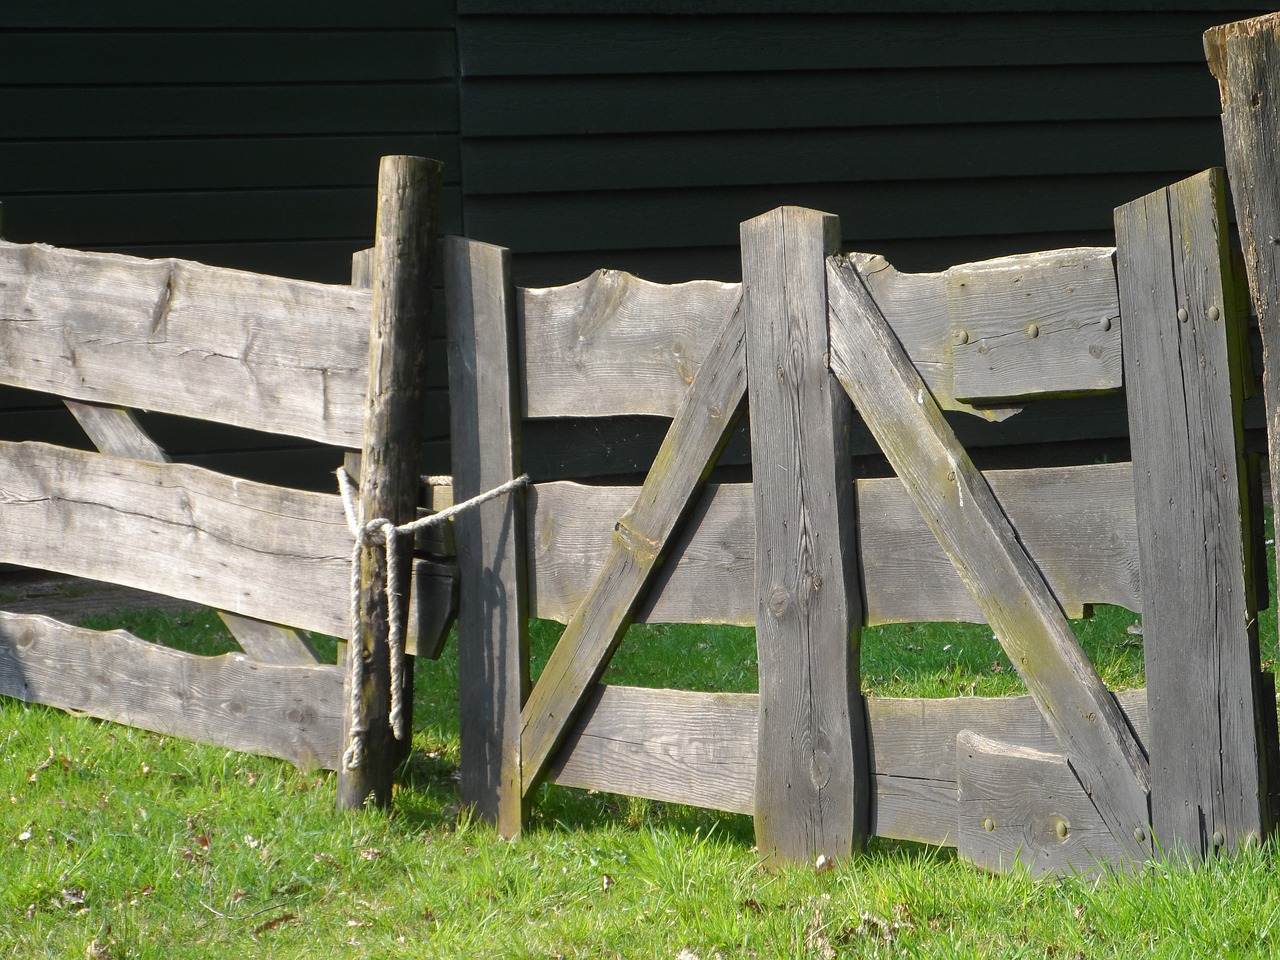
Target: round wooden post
408	204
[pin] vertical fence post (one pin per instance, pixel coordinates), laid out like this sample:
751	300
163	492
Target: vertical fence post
1182	333
493	648
812	782
408	205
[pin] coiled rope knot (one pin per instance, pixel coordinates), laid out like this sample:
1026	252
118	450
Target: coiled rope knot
371	533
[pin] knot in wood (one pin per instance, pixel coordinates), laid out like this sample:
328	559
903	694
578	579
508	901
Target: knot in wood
779	600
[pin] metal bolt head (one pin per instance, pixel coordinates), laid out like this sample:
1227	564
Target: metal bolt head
988	824
1183	315
1033	330
1214	314
1060	828
1139	834
960	337
1105	324
1218	839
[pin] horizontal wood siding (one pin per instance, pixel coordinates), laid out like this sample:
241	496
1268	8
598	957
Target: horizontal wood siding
995	126
243	135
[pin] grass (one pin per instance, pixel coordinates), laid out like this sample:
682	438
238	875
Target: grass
119	843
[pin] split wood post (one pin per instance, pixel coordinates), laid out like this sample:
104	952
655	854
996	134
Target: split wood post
812	774
493	643
408	205
1182	335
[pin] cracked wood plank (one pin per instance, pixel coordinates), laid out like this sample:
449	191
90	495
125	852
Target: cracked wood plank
256	550
641	538
115	430
1076	522
812	782
1185	395
292	712
267	353
957	503
602	330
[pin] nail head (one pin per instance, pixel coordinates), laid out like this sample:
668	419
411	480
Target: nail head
1061	829
1139	834
1033	331
1218	838
961	337
1214	314
988	824
1105	324
1183	315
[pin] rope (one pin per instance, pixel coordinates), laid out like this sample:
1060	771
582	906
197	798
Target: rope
369	534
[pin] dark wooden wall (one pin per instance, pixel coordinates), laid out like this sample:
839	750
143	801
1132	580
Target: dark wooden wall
583	133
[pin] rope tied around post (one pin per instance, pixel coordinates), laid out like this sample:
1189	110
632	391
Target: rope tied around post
371	533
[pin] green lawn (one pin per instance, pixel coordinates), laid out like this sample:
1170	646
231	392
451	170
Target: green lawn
118	843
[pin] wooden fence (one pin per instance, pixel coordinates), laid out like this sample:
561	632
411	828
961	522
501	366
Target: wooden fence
809	553
111	333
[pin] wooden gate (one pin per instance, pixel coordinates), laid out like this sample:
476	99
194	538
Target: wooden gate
1063	779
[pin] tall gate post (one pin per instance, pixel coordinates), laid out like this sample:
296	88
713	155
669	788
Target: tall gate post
1183	336
812	780
408	205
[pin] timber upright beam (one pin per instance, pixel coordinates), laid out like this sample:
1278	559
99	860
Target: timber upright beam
812	774
1183	334
493	646
408	205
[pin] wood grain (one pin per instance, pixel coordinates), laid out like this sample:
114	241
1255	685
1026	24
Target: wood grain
404	254
281	356
1076	522
812	781
292	712
1185	396
260	551
115	430
964	515
493	642
1021	805
1035	325
641	539
601	330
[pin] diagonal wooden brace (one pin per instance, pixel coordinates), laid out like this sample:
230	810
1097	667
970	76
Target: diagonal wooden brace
689	451
959	507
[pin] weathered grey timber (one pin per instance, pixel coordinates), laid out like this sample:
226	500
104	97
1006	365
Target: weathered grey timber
813	786
291	712
701	749
670	745
964	515
1018	804
641	538
1035	325
284	356
601	330
408	214
1245	59
493	641
260	551
1184	394
115	430
1076	522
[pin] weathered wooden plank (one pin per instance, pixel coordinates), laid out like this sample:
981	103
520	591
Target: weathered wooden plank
963	514
601	330
493	642
1076	522
641	538
1184	395
380	720
1036	325
115	430
282	356
1020	805
670	745
700	749
1245	59
293	712
260	551
812	783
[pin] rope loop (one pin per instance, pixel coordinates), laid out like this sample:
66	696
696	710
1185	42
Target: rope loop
372	533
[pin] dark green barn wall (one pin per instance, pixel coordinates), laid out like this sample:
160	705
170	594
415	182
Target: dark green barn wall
240	133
